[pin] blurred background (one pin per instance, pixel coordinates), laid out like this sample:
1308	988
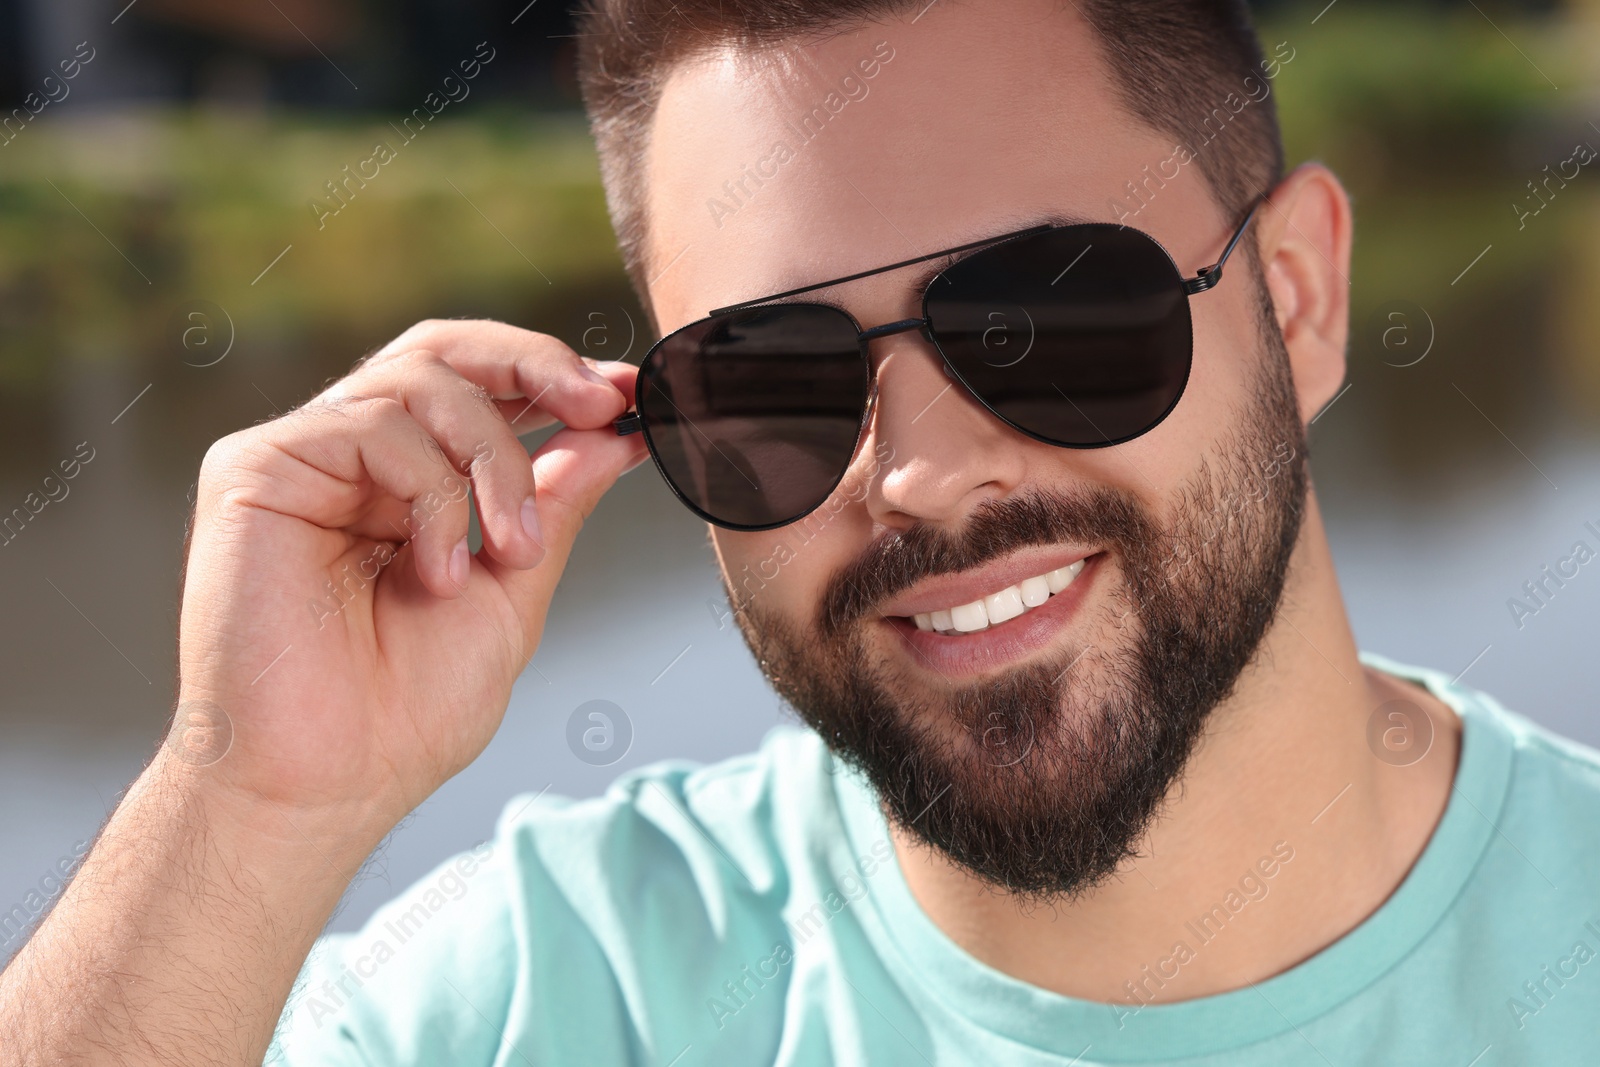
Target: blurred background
182	253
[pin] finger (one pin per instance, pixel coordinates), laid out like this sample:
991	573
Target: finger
620	373
515	363
524	416
342	464
458	414
572	470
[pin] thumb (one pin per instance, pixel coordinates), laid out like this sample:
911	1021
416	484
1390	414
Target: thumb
571	472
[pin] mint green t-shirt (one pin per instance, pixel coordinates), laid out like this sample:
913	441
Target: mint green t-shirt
752	912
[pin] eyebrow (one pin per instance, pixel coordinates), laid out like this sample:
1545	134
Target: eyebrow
1047	222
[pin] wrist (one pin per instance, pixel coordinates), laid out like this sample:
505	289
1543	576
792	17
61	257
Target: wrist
297	843
268	799
200	904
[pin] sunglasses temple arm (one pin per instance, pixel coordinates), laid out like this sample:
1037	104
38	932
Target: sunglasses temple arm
629	423
1208	277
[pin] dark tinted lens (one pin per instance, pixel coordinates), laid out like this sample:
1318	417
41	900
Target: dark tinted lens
1080	335
754	416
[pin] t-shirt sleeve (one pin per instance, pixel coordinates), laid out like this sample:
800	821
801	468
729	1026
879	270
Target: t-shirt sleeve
421	983
583	932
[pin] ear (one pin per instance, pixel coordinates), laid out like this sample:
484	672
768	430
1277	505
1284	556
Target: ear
1305	251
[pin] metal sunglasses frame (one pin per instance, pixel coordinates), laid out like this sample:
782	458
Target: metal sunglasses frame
1205	279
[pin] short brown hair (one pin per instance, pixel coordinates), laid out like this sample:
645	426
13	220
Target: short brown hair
1176	62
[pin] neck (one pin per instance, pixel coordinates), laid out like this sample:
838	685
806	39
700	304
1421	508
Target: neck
1284	833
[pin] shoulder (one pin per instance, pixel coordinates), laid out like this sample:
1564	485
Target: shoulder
612	914
1537	758
1550	766
746	812
1538	790
676	861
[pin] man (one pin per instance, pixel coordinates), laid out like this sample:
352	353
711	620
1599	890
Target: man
1095	772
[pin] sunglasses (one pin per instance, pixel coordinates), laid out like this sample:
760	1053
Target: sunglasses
1075	335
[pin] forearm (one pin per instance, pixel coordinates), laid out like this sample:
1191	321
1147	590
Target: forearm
181	936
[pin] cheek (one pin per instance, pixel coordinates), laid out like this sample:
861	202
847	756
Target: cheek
757	567
782	571
1218	396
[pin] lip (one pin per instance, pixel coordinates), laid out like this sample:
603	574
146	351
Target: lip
1000	645
950	590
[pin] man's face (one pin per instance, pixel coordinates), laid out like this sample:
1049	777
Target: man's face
1036	751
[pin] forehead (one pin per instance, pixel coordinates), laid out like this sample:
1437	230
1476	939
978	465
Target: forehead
812	159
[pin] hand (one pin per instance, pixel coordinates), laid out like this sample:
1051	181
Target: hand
331	610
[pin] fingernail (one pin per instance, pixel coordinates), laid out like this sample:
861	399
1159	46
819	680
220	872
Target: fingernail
460	563
594	375
530	522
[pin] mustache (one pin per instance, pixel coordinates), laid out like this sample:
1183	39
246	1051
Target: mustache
897	561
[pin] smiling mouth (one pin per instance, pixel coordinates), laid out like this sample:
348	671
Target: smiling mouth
1000	606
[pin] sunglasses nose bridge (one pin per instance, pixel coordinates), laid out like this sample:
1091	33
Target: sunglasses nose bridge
889	329
923	326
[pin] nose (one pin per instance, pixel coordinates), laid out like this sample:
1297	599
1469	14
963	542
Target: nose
946	451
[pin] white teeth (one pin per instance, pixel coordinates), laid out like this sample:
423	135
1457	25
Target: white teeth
1006	604
999	607
1062	577
970	618
1035	591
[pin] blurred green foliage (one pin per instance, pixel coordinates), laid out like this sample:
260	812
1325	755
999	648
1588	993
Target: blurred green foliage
1394	91
497	212
1435	119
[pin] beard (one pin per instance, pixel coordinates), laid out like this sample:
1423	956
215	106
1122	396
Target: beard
1042	780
